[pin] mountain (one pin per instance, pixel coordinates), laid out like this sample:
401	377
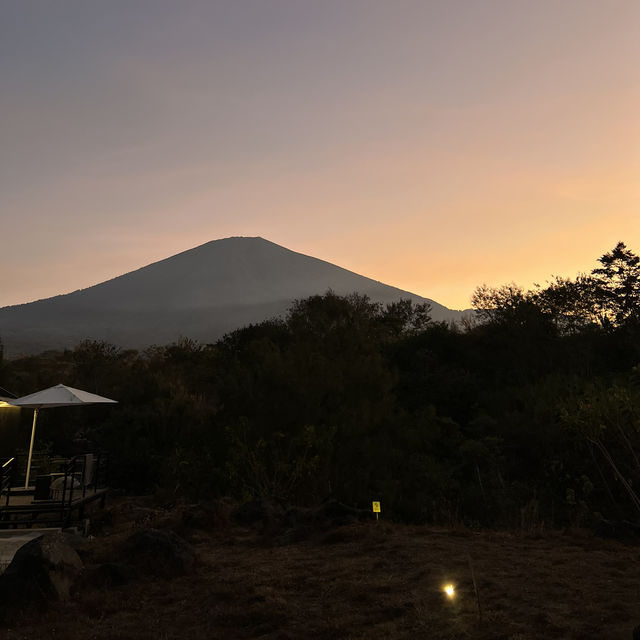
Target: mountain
201	293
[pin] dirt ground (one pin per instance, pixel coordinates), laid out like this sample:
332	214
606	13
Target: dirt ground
361	580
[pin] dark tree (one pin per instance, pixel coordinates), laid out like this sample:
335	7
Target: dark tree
617	284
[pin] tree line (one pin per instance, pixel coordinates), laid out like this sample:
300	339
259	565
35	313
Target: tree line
527	414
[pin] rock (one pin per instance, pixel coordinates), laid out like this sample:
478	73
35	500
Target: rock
109	574
205	516
44	569
257	511
160	552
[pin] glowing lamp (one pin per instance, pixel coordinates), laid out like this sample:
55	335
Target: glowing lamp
450	590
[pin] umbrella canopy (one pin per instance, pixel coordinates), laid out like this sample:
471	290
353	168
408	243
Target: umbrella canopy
58	396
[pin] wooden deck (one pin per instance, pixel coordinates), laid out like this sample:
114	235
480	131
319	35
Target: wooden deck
57	499
23	511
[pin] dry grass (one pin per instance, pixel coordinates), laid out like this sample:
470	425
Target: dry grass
359	581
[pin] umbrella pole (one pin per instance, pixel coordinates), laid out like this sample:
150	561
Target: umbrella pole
33	436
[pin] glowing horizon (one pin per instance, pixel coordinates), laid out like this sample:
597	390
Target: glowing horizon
433	146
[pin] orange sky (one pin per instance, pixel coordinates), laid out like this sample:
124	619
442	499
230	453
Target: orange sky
434	146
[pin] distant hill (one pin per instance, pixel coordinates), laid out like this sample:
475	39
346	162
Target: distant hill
201	293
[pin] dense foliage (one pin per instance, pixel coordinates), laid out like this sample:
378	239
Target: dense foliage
529	414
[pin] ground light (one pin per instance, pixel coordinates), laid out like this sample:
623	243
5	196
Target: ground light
450	590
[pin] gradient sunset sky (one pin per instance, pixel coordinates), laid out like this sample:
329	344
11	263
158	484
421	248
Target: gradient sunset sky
432	145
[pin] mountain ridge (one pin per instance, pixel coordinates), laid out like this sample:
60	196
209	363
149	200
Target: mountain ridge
202	293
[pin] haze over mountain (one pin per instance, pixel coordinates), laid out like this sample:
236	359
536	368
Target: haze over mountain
201	293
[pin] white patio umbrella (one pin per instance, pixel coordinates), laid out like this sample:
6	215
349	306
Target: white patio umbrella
58	396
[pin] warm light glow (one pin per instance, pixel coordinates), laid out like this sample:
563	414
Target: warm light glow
450	590
447	156
6	404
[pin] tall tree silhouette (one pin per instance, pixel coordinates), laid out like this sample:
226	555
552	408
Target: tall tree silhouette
617	284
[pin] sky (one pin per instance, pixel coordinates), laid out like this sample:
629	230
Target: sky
434	145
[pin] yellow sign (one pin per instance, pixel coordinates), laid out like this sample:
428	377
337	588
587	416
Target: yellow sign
376	507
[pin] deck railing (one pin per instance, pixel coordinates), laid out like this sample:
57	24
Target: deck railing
6	474
80	480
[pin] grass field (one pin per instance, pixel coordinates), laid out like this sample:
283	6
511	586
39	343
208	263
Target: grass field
362	580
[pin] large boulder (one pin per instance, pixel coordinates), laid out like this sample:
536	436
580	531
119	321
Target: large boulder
42	570
102	576
160	552
207	515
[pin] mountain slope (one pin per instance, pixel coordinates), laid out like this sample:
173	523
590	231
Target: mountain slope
200	293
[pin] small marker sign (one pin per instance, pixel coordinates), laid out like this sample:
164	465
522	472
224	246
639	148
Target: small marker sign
376	508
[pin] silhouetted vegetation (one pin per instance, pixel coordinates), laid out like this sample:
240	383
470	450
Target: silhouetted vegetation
528	415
